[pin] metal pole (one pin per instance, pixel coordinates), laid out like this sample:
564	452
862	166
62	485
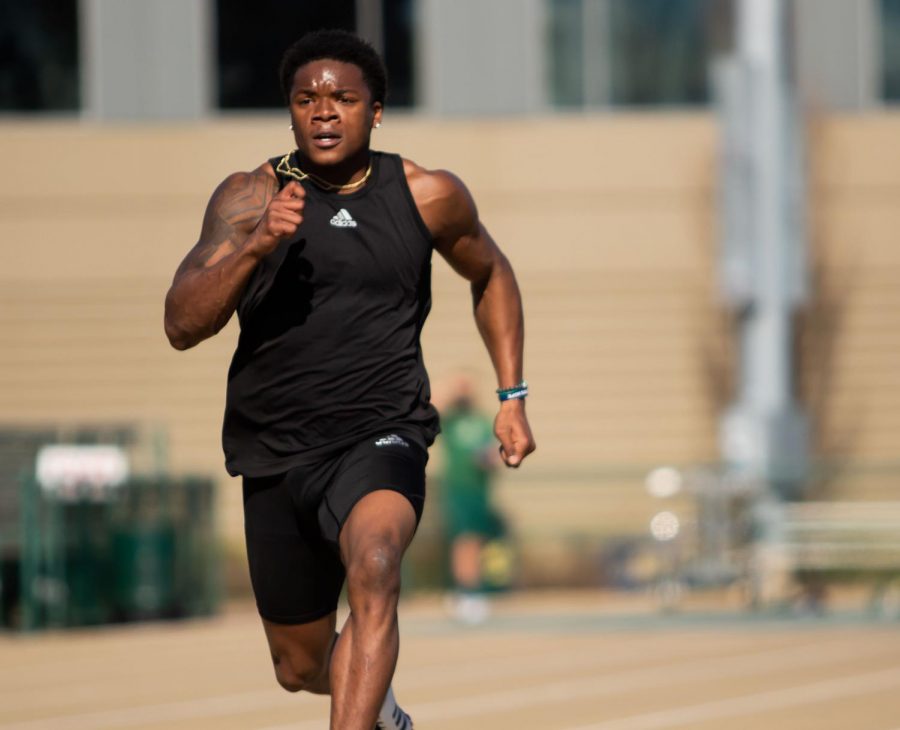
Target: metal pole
764	432
766	334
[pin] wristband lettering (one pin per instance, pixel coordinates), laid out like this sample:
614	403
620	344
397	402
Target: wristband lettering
517	392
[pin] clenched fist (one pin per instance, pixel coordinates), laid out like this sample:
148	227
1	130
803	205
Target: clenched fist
512	430
283	216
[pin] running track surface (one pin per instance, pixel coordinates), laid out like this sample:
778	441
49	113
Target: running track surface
548	661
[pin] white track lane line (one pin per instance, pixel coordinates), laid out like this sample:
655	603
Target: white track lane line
618	682
698	669
459	671
755	704
575	659
163	713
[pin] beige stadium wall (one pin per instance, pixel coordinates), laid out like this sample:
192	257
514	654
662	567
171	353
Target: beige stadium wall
849	344
608	220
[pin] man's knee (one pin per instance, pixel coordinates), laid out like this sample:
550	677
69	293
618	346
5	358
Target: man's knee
375	571
296	673
301	653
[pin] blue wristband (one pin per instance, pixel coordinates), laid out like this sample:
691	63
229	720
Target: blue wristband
517	392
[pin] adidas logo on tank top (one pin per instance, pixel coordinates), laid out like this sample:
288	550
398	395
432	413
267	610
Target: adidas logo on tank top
343	219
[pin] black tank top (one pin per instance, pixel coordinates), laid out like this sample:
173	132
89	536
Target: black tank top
329	350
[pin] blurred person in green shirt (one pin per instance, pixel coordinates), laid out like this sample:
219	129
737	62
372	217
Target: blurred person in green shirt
469	458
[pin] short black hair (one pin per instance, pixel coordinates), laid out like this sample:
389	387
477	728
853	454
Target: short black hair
340	45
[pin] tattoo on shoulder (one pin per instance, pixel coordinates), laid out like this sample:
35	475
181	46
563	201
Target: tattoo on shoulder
235	208
245	200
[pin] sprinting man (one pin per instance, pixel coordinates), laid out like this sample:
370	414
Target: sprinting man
325	255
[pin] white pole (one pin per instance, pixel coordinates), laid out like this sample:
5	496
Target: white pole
764	431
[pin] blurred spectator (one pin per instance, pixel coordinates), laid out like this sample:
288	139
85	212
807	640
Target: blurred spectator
470	455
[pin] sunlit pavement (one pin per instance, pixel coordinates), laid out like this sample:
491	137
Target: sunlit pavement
561	661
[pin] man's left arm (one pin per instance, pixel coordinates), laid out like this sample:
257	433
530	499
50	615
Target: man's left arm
452	217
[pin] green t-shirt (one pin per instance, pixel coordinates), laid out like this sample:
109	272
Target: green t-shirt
468	441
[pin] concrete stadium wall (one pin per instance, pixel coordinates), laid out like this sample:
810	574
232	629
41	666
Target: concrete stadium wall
608	220
850	333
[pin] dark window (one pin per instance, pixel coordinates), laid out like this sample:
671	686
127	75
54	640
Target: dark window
659	52
398	26
253	36
890	49
567	57
39	55
631	52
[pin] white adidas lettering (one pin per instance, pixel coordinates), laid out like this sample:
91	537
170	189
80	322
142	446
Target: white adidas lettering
392	440
342	219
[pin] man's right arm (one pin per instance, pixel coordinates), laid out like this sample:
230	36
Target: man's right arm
245	220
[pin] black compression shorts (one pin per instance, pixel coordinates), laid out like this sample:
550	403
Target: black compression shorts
292	522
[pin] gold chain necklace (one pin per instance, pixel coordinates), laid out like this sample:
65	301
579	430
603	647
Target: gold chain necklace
284	167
